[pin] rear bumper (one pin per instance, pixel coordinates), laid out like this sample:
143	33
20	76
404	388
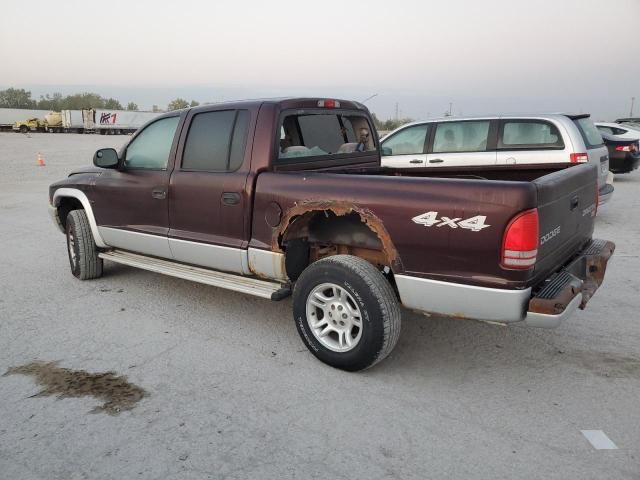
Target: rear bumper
570	288
545	306
624	163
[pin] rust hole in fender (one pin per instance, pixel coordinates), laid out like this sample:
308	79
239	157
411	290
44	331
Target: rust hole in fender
115	390
339	209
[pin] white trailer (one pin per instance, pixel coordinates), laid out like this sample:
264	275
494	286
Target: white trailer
72	121
116	122
9	116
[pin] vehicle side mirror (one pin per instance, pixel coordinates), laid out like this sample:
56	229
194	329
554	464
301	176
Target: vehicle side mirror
106	158
386	152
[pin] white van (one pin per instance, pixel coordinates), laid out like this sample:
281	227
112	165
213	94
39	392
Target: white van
474	142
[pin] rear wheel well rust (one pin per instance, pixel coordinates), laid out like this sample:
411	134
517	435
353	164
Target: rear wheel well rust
311	231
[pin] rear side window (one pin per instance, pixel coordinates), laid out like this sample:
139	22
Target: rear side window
216	141
319	134
589	132
468	136
608	130
530	134
409	141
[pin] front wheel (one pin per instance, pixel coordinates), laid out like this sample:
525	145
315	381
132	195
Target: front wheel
83	253
346	312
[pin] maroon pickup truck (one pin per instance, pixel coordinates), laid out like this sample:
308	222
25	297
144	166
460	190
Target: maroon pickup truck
287	196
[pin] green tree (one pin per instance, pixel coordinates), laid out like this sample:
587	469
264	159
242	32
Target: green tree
16	98
112	104
177	104
132	106
51	102
194	103
80	101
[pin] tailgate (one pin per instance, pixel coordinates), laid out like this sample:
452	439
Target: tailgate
566	210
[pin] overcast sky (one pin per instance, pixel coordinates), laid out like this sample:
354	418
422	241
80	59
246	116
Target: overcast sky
484	56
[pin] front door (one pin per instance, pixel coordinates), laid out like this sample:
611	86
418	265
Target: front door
131	203
208	206
406	147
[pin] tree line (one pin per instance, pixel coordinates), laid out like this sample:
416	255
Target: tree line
21	98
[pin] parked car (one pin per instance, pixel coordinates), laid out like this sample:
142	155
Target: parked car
287	196
633	122
621	131
624	153
473	143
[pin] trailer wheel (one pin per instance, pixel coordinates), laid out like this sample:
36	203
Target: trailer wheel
66	130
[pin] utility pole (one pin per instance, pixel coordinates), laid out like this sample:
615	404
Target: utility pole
396	111
633	100
450	108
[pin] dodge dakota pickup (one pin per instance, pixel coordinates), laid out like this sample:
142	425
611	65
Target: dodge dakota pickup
287	197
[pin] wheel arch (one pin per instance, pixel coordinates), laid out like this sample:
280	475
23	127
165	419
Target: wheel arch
332	228
68	199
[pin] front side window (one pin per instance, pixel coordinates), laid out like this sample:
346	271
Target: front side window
589	132
529	134
216	141
151	147
409	141
468	136
320	134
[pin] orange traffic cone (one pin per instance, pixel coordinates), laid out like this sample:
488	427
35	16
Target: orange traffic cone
40	161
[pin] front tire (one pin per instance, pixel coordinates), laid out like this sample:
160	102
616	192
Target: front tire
83	253
346	312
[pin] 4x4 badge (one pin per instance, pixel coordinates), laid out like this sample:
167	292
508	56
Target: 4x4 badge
430	219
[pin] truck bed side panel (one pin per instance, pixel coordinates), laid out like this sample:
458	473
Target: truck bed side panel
444	251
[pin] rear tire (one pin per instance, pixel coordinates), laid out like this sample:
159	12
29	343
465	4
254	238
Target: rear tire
24	129
83	253
346	312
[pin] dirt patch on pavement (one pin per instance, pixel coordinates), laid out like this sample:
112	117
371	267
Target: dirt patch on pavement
115	390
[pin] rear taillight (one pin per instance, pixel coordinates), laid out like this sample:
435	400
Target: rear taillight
626	148
579	158
520	243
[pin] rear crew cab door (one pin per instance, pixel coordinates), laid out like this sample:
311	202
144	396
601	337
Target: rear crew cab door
406	148
525	141
207	190
464	143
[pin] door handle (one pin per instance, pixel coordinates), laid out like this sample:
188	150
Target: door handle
415	160
436	160
574	203
231	198
159	193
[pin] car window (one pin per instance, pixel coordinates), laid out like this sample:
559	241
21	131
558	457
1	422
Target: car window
618	131
467	136
150	148
608	130
215	141
589	132
409	141
320	134
529	134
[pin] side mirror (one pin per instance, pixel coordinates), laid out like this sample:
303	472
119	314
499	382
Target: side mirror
106	158
386	152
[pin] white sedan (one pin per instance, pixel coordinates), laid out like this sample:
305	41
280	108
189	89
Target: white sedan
619	130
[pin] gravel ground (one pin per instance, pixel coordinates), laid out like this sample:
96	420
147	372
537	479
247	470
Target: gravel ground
231	392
